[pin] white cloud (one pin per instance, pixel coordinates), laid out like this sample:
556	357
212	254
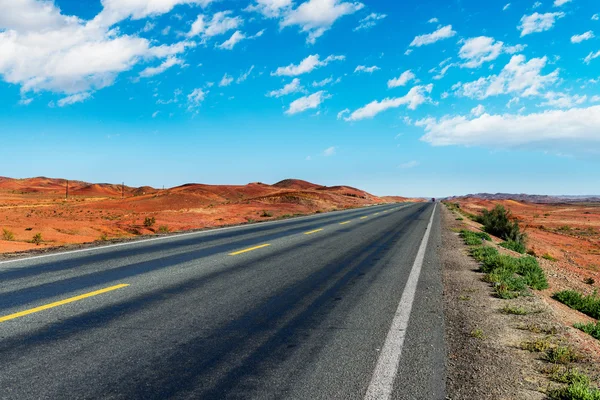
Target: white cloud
414	98
155	114
148	27
306	66
118	10
537	4
195	98
558	3
307	102
369	21
584	36
555	128
562	100
442	33
433	21
591	57
341	114
237	37
323	82
479	50
407	52
168	63
478	111
363	68
226	80
330	151
75	98
315	17
506	7
402	80
595	17
245	75
409	164
517	77
537	22
595	99
45	50
293	87
219	24
270	8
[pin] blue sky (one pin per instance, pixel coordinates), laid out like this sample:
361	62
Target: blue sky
427	98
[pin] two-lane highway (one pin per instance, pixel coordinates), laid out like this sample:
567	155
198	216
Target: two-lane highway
344	305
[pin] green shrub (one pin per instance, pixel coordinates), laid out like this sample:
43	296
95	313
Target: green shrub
266	214
514	246
589	305
548	257
483	252
37	239
163	229
534	275
561	355
499	222
575	391
149	222
7	235
474	238
103	237
590	328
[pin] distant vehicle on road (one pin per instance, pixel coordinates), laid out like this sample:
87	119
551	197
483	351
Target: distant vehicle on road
433	199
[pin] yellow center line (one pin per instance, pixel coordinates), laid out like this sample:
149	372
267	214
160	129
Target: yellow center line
344	223
365	217
250	249
61	302
311	232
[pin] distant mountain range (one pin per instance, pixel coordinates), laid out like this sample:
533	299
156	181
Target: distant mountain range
531	198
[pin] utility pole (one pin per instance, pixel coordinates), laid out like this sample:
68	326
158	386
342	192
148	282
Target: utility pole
67	191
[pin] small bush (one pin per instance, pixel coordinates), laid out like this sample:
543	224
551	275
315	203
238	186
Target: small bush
163	229
575	391
514	246
536	346
561	355
499	222
266	214
477	334
590	328
460	219
7	235
103	237
483	252
589	281
507	309
589	305
149	222
37	239
548	257
474	238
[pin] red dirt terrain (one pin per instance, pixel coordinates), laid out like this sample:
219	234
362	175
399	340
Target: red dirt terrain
569	233
100	212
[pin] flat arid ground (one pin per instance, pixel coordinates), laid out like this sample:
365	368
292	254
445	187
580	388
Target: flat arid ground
105	212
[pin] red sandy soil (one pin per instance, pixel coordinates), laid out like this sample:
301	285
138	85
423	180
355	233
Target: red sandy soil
96	212
569	233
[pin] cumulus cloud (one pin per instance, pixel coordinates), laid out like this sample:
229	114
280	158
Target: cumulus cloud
444	32
195	98
226	80
220	23
520	77
293	87
584	36
43	49
433	21
562	100
118	10
537	22
478	111
555	128
414	98
168	63
369	21
315	17
363	68
558	3
307	102
479	50
402	80
306	66
270	8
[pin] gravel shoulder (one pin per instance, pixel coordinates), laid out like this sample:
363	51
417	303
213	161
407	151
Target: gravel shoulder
486	359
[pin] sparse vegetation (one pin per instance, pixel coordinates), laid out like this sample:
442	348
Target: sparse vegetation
477	334
589	305
578	386
514	246
474	238
266	214
537	346
561	355
149	222
103	237
163	229
7	235
548	257
590	328
514	310
499	222
37	239
589	281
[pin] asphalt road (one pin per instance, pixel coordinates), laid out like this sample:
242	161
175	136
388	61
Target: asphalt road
346	305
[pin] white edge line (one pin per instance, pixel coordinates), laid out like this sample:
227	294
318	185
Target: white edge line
175	236
382	382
